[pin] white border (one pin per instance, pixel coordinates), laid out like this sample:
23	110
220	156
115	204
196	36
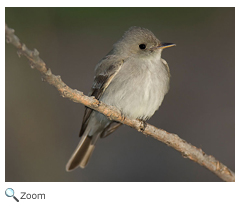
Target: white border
117	195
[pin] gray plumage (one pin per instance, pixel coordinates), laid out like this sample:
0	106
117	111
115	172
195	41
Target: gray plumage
134	78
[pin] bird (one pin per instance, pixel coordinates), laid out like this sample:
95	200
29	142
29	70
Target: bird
132	77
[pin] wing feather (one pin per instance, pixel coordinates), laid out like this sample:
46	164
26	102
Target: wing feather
105	73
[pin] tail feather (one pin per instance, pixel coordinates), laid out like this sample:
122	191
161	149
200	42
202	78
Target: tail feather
94	127
82	154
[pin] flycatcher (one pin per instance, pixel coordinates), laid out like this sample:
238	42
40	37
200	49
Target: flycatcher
132	77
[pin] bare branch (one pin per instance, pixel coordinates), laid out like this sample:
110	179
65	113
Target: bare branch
187	150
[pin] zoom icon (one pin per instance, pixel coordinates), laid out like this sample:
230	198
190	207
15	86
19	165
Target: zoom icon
10	193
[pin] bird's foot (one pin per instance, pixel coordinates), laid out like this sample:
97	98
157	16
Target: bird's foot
142	126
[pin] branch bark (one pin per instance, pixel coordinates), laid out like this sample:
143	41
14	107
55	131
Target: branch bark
187	150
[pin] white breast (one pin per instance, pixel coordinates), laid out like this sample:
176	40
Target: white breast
139	88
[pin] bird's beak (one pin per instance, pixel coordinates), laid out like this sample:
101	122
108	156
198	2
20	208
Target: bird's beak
165	45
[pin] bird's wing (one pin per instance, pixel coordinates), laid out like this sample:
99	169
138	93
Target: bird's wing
105	73
110	129
166	65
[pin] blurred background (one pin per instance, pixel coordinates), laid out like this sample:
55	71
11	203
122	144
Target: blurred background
42	127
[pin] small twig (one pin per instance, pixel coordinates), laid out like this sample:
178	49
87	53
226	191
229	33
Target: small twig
187	150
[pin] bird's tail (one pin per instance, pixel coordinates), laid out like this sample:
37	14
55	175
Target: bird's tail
84	150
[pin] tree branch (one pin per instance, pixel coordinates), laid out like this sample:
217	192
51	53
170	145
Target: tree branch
187	150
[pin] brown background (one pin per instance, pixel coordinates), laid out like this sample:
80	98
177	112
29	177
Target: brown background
42	127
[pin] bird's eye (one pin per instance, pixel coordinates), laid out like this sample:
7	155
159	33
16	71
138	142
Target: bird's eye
142	46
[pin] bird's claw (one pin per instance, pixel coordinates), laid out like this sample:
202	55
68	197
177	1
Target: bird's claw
142	126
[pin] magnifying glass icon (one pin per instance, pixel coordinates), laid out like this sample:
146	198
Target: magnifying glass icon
10	193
